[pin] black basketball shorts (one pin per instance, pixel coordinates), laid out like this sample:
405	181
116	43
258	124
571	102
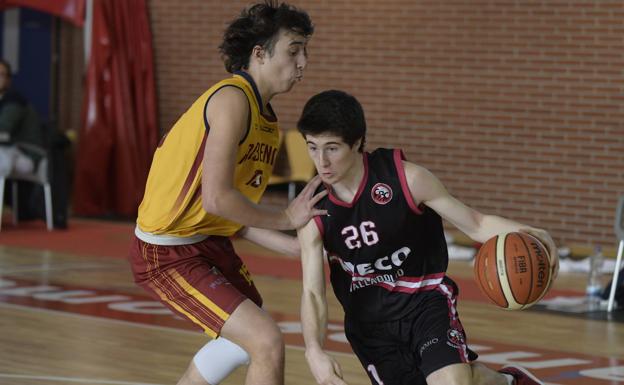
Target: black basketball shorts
406	351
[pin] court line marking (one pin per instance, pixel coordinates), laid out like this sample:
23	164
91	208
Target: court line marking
139	325
73	379
38	268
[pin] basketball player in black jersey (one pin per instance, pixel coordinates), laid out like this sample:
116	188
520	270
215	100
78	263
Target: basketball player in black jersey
384	240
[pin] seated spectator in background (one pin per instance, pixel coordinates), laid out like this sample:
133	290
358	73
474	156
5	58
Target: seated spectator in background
19	123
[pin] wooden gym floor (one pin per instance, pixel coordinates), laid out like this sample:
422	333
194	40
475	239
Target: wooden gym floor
70	314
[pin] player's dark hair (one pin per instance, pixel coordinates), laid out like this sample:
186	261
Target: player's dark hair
334	112
259	25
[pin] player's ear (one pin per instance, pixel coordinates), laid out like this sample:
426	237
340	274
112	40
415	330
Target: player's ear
258	53
356	146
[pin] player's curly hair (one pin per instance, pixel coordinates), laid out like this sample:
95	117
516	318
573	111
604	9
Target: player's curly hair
259	25
337	113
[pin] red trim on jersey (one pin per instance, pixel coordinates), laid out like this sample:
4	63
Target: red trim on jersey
191	176
408	290
423	278
398	158
403	284
196	196
413	285
337	201
319	224
451	300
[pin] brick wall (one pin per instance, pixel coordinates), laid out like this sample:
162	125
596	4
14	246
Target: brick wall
518	106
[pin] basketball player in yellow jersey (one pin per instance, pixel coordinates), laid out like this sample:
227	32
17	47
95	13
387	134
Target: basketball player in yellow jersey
206	179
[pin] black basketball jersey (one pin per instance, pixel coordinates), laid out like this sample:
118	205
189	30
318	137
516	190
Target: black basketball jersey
383	249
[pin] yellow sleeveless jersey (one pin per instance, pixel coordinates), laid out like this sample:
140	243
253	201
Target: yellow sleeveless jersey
172	204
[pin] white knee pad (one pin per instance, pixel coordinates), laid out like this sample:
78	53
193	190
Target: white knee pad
218	358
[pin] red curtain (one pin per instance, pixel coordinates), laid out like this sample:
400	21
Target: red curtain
119	131
70	10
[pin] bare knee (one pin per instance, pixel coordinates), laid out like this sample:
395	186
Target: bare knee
482	375
192	377
256	332
269	341
466	374
455	374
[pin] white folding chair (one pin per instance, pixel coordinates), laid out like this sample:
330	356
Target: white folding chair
39	176
619	232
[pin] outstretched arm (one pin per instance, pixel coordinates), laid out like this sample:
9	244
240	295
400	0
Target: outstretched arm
325	369
273	240
227	114
426	188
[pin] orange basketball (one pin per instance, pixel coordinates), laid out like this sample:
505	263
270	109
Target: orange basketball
513	270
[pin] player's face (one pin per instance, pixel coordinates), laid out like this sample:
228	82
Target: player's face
334	159
284	66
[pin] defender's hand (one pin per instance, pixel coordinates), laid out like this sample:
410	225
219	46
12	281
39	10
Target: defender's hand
301	209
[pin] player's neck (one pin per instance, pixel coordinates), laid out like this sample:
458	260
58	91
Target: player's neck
348	186
262	86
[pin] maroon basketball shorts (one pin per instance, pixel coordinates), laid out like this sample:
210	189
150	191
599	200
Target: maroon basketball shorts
202	282
407	350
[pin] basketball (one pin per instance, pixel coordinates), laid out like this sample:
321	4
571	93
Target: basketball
513	270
